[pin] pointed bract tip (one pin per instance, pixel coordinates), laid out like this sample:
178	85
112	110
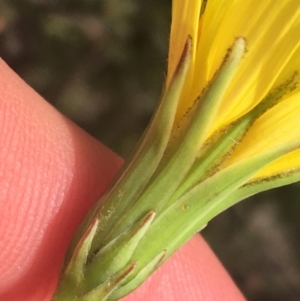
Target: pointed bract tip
296	77
238	48
240	42
185	55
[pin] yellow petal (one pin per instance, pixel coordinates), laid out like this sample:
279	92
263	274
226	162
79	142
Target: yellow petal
276	127
185	22
287	163
272	31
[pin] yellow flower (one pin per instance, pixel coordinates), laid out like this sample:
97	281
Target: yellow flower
227	127
272	32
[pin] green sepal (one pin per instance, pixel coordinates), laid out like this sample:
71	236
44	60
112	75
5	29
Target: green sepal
142	164
77	264
139	278
73	271
103	291
133	177
82	280
218	148
185	182
209	198
175	165
115	255
192	211
261	184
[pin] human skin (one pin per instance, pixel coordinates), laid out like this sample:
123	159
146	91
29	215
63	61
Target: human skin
51	172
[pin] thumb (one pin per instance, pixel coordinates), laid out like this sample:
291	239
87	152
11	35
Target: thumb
50	174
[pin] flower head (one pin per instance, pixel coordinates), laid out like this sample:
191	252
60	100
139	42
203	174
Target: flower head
227	127
271	30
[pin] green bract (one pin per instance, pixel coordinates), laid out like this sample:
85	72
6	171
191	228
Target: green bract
170	188
227	127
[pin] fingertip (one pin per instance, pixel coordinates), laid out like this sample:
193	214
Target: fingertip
193	273
50	174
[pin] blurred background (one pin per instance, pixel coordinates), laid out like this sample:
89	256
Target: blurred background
102	63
